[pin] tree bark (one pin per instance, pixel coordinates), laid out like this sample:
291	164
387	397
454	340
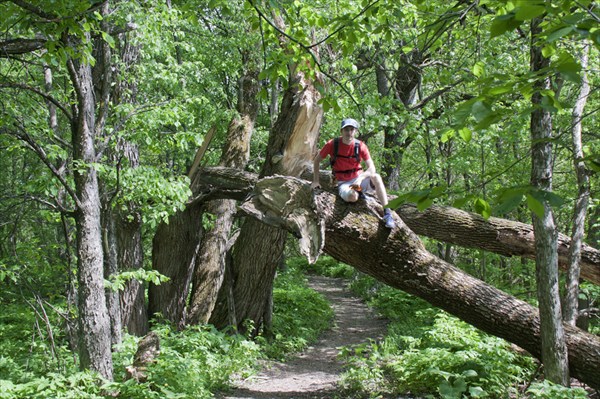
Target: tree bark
501	236
174	250
210	266
554	348
443	223
130	253
355	234
94	324
571	301
259	247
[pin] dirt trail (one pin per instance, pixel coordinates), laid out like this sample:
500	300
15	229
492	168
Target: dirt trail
315	372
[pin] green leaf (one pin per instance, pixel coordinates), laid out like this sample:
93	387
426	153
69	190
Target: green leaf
476	392
557	34
447	135
509	200
466	134
548	51
480	110
483	208
535	206
507	88
424	203
528	11
502	24
478	69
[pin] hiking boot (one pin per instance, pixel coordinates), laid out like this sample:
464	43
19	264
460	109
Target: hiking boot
388	219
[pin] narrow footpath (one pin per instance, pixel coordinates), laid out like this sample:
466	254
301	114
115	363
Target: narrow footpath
315	373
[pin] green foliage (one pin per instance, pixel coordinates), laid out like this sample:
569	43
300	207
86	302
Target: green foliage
192	363
117	281
549	390
428	352
324	266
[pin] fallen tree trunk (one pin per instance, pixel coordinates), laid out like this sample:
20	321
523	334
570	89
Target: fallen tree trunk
501	236
443	223
354	234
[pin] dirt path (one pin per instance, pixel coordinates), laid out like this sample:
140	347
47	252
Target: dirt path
315	373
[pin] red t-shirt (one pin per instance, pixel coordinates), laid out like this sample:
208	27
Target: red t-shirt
342	163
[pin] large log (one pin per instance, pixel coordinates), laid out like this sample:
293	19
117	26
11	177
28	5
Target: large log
355	234
501	236
443	223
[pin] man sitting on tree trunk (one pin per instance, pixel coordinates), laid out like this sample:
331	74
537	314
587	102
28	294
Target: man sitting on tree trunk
346	153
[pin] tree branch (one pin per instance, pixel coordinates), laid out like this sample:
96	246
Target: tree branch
37	149
20	46
40	93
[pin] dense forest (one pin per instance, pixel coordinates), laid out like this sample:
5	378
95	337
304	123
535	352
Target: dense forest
156	162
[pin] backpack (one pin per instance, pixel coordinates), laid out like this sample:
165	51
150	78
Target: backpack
336	146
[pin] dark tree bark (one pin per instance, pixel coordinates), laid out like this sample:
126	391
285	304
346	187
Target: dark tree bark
355	234
554	348
174	251
134	311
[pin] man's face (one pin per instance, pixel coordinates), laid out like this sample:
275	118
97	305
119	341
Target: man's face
348	134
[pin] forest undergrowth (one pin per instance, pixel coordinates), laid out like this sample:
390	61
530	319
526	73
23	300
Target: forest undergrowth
426	353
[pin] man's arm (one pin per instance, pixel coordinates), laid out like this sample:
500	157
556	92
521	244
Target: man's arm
316	171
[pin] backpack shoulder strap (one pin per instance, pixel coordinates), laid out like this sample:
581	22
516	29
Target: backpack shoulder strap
336	145
357	150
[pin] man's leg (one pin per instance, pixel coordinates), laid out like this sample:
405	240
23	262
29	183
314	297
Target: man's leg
347	193
380	190
383	199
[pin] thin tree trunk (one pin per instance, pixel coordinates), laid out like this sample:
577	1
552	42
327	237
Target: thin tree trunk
554	348
571	302
111	267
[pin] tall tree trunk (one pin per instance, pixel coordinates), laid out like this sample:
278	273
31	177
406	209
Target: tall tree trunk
210	266
571	302
94	323
554	348
259	248
128	221
355	234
